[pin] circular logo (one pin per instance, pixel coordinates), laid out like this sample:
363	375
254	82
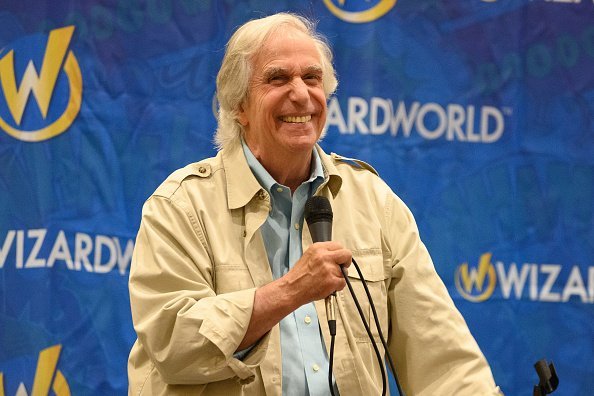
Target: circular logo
476	284
41	86
360	13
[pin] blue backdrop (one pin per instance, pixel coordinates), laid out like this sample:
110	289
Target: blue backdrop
479	114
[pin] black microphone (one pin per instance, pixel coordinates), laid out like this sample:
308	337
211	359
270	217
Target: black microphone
318	214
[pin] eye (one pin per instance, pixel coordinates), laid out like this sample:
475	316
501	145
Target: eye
277	79
312	78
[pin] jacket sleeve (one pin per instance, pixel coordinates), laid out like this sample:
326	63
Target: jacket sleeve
188	331
434	352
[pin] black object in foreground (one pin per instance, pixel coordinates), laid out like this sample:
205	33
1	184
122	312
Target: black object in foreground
548	380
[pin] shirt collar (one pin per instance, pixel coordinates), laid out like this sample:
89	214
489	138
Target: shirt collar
242	185
267	181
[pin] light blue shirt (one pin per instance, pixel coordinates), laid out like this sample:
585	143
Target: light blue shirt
304	358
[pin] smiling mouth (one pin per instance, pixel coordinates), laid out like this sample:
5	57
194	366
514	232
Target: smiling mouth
296	120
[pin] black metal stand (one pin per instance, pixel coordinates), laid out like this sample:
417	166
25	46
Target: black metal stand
547	376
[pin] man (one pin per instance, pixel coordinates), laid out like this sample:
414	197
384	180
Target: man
226	286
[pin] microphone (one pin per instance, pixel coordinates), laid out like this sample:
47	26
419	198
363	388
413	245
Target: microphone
318	214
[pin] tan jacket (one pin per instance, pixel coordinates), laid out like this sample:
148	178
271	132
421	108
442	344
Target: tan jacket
199	258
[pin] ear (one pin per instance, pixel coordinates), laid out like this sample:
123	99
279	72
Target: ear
242	117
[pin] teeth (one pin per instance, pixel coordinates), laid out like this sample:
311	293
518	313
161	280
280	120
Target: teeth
297	119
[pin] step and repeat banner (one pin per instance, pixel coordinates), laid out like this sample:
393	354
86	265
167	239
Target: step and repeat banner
478	113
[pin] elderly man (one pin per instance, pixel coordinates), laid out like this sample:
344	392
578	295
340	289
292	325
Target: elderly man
226	286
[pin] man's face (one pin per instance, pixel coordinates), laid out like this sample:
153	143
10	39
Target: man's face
285	109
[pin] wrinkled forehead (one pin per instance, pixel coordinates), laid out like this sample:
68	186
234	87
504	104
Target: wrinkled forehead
284	41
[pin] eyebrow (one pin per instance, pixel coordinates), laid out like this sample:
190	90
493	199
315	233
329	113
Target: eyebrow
277	70
313	69
274	71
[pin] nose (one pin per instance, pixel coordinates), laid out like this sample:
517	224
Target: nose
299	92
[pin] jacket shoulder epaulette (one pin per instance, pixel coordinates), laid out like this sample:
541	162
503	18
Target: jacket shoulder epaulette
202	169
355	163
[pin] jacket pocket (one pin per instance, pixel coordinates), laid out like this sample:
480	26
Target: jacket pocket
372	268
370	263
232	277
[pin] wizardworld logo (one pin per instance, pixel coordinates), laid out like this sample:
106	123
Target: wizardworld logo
476	285
553	283
46	68
47	376
359	11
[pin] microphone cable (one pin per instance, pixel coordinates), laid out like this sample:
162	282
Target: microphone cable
318	214
377	324
330	363
368	330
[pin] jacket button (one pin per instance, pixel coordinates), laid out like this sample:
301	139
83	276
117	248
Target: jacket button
202	170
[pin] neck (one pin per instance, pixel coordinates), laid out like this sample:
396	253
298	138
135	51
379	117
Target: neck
290	170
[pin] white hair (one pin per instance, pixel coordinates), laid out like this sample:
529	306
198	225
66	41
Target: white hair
235	72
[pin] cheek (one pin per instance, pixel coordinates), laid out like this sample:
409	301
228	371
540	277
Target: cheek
265	107
319	97
323	111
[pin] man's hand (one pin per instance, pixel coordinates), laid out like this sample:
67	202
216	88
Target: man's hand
314	276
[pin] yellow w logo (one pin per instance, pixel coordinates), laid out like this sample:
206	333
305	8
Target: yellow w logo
467	281
42	86
366	15
46	375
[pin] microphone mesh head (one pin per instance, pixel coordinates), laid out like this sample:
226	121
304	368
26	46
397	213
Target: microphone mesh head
317	209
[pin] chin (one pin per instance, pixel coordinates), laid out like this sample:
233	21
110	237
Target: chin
300	146
298	137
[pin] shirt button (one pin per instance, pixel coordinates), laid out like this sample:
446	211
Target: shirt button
307	320
296	226
315	368
279	189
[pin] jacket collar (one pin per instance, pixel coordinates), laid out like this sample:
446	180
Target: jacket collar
332	178
241	182
242	185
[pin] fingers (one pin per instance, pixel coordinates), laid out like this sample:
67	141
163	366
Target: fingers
331	256
317	273
333	251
